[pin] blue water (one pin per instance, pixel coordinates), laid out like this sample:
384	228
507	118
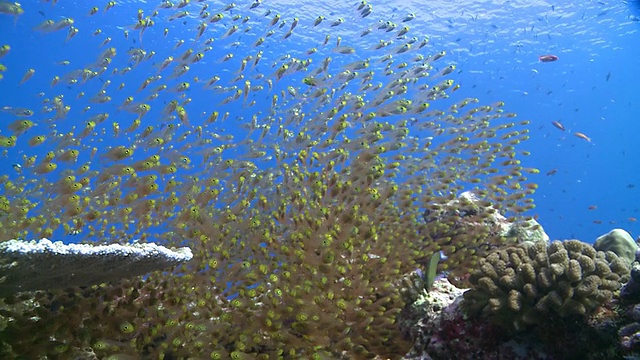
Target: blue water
591	89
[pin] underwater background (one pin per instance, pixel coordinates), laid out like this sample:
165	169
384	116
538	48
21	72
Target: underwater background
299	143
495	47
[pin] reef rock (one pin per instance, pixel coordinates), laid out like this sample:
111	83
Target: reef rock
620	242
469	228
467	206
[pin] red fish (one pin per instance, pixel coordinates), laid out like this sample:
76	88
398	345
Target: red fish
547	58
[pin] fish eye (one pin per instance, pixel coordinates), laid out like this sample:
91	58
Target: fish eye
126	327
100	345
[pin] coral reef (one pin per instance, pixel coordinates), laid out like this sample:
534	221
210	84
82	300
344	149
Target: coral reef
629	334
453	334
42	265
630	337
469	227
298	182
446	325
631	291
423	310
528	284
620	242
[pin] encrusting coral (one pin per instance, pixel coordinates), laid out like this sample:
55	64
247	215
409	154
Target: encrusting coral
522	285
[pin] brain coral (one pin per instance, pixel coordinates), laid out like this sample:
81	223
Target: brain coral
523	285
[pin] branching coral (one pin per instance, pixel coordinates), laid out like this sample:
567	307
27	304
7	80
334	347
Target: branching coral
521	285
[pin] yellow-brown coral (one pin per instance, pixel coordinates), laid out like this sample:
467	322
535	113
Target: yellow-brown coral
519	286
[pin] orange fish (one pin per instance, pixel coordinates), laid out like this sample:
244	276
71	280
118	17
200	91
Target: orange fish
547	58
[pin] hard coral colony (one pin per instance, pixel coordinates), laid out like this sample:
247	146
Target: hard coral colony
301	193
530	284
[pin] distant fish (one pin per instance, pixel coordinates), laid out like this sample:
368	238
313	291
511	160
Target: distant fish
547	58
582	136
558	125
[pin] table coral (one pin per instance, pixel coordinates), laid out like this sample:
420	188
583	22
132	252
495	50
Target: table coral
43	265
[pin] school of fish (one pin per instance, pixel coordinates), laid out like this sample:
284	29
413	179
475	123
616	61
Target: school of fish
300	188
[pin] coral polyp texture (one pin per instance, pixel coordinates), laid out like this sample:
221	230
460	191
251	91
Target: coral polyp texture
523	285
42	265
